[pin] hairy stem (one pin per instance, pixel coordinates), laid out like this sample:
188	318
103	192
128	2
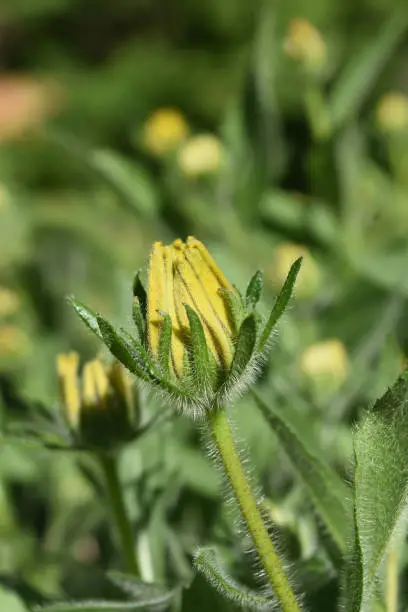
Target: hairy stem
119	514
251	513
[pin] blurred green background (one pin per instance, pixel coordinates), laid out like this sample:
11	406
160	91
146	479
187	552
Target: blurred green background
265	129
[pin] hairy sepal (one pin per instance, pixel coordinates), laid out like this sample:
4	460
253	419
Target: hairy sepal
254	290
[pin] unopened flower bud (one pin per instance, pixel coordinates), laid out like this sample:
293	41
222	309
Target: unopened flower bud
392	112
201	155
99	404
305	44
164	131
325	365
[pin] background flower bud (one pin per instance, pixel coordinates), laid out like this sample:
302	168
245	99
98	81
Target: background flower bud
325	365
305	44
201	155
163	131
392	112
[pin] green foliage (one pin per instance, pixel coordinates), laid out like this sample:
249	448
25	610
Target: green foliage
380	485
313	164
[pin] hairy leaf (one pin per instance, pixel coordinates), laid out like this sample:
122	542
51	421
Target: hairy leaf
206	562
88	316
380	491
254	290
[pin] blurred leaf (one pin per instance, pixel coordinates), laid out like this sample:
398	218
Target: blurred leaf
387	269
130	180
9	602
138	589
327	492
380	492
206	561
358	78
156	604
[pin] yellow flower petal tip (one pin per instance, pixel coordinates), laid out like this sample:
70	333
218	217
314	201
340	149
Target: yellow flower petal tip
185	273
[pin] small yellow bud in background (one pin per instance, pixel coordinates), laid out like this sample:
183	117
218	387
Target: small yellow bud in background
185	273
67	369
14	342
325	364
98	404
308	280
164	131
392	112
305	44
9	302
201	155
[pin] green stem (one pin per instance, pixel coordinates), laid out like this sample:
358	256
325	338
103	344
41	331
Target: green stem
123	525
392	581
251	513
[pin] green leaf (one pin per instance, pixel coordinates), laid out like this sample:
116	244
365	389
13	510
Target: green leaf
359	77
280	303
244	346
254	290
88	316
132	356
166	333
326	490
207	563
160	602
130	180
200	354
139	292
137	589
380	492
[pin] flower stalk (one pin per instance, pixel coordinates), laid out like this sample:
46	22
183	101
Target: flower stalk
251	513
121	519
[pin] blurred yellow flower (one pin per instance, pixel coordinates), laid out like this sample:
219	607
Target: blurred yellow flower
14	342
186	273
392	112
305	44
308	280
164	131
326	362
201	155
9	302
96	389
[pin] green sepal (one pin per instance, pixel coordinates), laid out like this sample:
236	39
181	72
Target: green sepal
199	350
244	346
235	307
88	316
206	562
139	320
139	292
254	290
281	302
166	333
130	354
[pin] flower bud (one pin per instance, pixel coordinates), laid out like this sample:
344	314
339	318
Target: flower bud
305	44
98	405
9	302
392	112
201	155
164	131
325	365
198	339
309	278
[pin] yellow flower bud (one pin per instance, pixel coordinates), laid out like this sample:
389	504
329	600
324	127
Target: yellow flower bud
326	363
186	273
97	404
14	342
163	131
201	155
305	44
309	277
9	302
392	112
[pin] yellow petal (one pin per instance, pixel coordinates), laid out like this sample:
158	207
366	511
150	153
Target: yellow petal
67	369
95	384
197	284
